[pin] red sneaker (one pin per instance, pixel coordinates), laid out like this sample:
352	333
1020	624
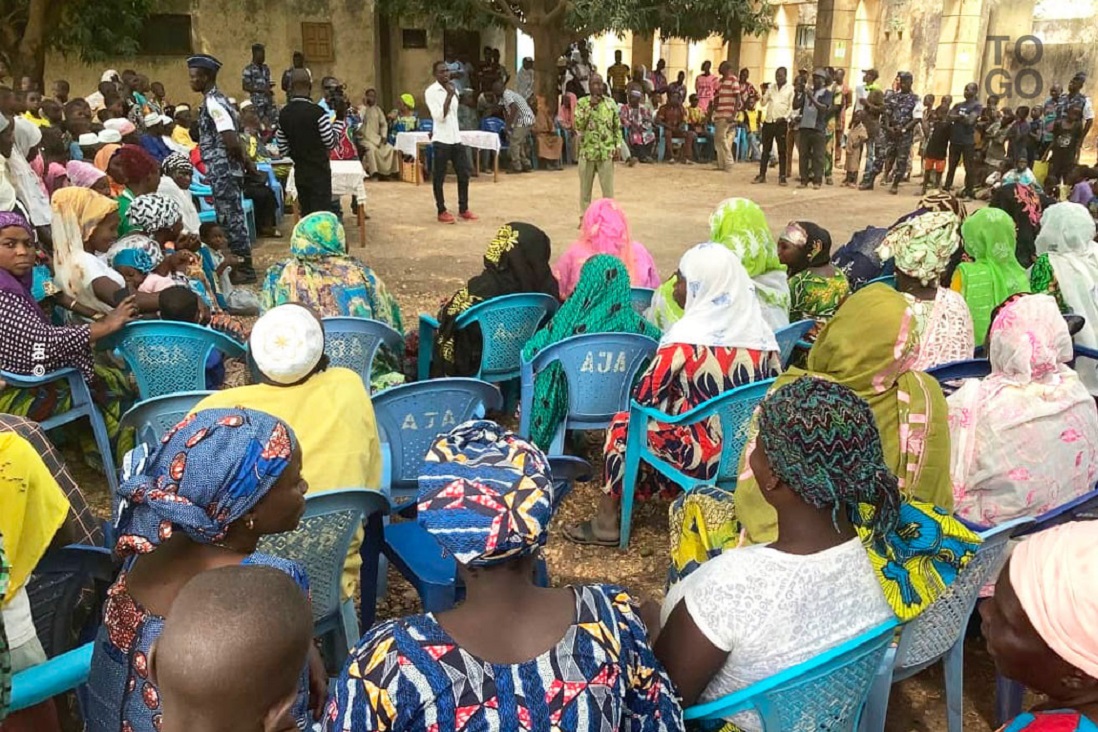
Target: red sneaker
468	216
446	218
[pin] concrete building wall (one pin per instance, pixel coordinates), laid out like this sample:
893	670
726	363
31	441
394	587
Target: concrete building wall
228	28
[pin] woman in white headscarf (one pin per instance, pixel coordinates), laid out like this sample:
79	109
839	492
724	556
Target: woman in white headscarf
722	341
1067	269
28	186
8	199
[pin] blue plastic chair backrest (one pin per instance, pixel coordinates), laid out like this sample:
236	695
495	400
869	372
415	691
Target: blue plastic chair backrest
827	692
975	368
168	357
1083	508
889	280
67	585
600	369
152	418
506	323
492	124
936	629
353	342
426	125
320	542
411	416
788	337
642	297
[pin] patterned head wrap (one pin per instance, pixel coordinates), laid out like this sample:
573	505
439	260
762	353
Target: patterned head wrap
175	164
134	163
137	240
741	226
208	471
318	235
485	495
153	213
1053	575
134	257
922	244
821	440
942	201
83	175
810	238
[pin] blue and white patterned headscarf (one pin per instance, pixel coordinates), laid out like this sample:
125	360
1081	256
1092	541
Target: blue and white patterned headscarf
721	306
485	494
208	471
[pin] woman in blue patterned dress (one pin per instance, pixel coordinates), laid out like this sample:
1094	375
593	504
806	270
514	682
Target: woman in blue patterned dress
512	656
201	499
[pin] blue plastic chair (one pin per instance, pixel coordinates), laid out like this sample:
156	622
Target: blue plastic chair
1089	356
734	409
495	124
641	298
66	592
203	194
789	336
168	357
421	560
947	374
827	692
411	416
600	370
152	418
505	323
82	406
889	280
353	342
272	181
46	680
320	544
938	633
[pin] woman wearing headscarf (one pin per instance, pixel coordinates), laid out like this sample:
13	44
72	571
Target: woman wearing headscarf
175	183
403	118
102	160
30	344
600	303
1067	269
858	257
29	187
132	166
86	175
820	462
816	287
327	407
570	658
605	230
200	499
517	261
923	246
1024	438
1023	204
1040	627
722	341
994	274
740	225
321	274
868	347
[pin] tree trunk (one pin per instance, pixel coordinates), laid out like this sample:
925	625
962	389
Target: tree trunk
28	53
547	49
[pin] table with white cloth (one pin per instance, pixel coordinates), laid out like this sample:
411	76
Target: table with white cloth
348	178
408	144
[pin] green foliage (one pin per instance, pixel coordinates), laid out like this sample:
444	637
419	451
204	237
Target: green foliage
96	29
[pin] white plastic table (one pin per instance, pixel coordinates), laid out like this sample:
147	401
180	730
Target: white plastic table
408	143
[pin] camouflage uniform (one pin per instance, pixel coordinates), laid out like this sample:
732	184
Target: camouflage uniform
258	76
224	176
899	112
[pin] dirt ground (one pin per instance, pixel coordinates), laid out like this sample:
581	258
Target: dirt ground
668	206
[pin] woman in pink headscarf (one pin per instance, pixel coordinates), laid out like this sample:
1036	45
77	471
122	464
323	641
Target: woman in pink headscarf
605	231
1040	627
86	175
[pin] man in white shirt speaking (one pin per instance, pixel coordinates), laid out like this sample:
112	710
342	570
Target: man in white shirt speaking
442	100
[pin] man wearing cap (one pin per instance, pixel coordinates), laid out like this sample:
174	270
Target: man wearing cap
305	134
151	138
256	80
896	135
225	160
811	133
181	134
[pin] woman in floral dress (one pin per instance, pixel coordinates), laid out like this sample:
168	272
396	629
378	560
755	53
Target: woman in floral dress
816	287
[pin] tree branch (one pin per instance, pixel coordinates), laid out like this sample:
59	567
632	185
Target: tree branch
562	7
507	14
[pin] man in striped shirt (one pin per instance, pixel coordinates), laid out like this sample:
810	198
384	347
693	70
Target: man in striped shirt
306	134
519	118
726	106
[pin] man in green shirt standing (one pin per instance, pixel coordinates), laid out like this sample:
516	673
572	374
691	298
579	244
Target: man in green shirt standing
599	128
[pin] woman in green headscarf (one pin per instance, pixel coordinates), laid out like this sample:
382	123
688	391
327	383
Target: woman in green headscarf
599	304
869	347
321	275
403	118
740	225
995	274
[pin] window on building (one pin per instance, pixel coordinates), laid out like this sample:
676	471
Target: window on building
414	37
166	35
806	36
316	42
